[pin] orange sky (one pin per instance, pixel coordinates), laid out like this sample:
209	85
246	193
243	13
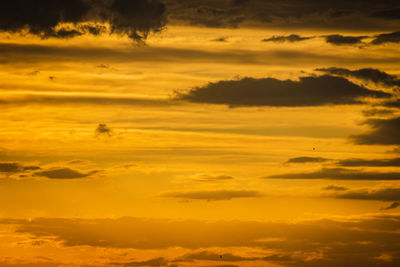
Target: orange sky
215	133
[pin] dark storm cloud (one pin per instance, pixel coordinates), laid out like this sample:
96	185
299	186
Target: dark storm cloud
384	194
15	167
366	74
64	173
307	160
395	162
287	244
340	174
215	195
135	19
383	38
338	39
308	91
284	14
290	38
383	132
335	188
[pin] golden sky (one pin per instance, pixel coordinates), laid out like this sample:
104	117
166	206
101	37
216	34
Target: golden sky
199	133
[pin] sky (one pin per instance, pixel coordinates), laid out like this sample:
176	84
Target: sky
200	133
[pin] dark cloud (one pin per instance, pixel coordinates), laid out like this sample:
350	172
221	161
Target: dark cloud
391	206
215	195
387	14
281	14
290	38
395	162
15	167
135	19
366	74
308	91
393	37
393	104
206	255
340	174
335	188
307	160
88	100
338	39
287	244
377	112
64	173
211	178
383	132
160	261
103	129
384	194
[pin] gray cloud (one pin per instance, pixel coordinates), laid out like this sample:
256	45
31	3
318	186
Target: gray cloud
15	167
366	74
215	195
81	99
211	178
285	243
383	132
393	37
103	129
395	162
308	91
290	38
307	160
337	39
335	188
64	173
391	206
383	194
340	174
387	14
377	112
135	19
286	14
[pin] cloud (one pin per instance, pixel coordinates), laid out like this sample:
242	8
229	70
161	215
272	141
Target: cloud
15	167
290	38
211	178
160	261
381	194
393	37
82	99
287	14
377	112
64	173
136	19
322	242
214	195
366	74
103	129
335	188
383	132
308	91
307	160
338	39
391	206
395	162
387	14
340	174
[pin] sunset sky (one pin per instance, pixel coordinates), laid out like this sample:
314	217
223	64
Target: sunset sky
200	133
